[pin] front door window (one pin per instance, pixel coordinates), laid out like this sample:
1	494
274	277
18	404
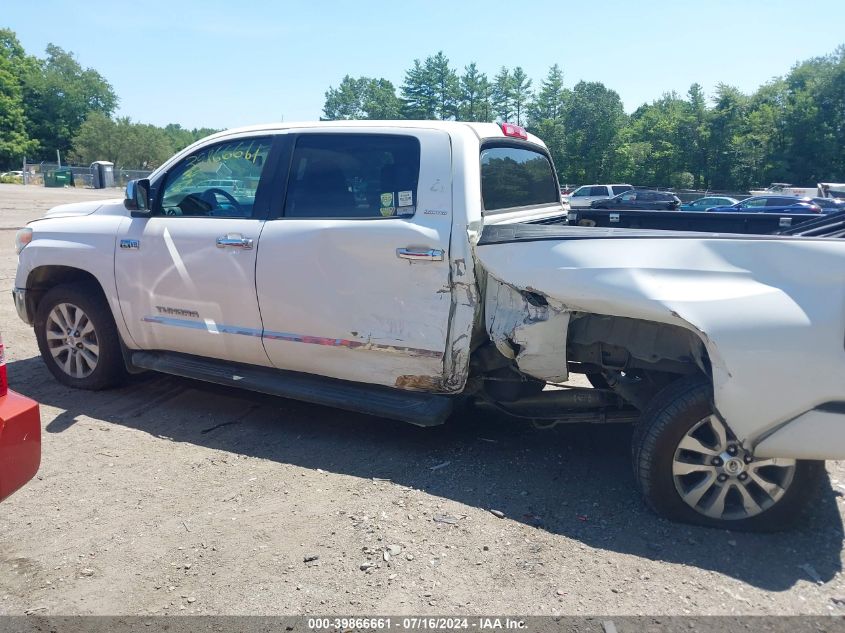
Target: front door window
216	181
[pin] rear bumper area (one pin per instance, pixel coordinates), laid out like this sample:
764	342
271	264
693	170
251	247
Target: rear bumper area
20	441
816	434
23	306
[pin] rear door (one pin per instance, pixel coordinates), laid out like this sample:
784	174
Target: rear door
599	192
353	268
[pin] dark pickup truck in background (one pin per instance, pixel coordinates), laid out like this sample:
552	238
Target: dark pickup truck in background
708	221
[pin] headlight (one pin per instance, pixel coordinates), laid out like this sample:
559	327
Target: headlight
22	238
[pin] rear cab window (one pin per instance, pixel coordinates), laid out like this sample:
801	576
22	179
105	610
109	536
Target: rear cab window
617	189
516	176
353	176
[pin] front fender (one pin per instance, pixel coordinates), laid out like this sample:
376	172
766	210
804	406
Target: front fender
63	243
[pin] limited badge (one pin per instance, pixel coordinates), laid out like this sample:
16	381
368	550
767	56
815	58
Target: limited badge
388	211
406	198
387	199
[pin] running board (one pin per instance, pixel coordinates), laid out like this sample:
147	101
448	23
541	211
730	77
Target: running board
420	409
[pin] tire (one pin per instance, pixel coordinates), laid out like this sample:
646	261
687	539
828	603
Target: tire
684	485
90	357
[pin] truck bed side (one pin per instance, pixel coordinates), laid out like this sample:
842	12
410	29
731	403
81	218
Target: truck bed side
769	311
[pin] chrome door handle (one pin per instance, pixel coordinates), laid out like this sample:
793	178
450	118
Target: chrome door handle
235	241
420	254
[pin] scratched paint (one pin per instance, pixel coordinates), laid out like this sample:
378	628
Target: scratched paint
219	328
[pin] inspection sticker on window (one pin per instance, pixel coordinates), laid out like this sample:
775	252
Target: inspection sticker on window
406	198
405	210
387	199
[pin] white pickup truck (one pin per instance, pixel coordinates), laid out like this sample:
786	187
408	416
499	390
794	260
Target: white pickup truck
400	268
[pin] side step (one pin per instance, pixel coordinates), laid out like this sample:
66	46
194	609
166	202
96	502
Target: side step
421	409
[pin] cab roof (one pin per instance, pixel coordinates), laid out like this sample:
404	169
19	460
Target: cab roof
484	131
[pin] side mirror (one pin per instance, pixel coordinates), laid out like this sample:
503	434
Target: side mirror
137	197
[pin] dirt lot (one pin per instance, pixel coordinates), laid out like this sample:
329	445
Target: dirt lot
172	496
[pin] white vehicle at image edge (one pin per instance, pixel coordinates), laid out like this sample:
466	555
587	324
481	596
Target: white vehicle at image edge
583	196
402	268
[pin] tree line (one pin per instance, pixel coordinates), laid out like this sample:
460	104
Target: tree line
791	129
53	103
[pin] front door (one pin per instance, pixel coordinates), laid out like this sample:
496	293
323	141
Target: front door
353	277
186	274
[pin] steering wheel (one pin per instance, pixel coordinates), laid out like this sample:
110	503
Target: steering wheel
227	195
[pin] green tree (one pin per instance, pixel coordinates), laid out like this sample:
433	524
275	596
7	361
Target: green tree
594	120
502	95
380	100
59	94
521	91
663	126
550	101
474	100
346	101
545	118
697	135
420	101
362	98
126	144
15	142
446	88
726	125
431	89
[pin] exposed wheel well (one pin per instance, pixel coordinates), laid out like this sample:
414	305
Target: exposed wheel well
44	278
635	358
622	343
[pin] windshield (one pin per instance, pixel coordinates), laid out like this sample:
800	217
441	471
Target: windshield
516	177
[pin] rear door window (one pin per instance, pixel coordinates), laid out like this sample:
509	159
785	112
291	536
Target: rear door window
516	177
598	191
353	176
781	202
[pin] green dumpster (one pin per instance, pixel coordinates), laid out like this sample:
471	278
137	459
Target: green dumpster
62	177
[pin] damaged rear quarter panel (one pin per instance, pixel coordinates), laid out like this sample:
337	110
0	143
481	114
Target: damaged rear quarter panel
770	311
528	329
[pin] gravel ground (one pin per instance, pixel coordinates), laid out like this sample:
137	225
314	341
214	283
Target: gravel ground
173	496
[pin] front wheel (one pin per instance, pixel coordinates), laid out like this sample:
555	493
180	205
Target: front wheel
689	467
78	339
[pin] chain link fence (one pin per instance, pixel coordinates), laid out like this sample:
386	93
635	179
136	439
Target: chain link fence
80	177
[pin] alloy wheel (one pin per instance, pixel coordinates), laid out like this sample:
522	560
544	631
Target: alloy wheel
72	340
720	479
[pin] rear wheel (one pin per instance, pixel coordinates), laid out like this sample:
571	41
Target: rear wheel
78	339
690	467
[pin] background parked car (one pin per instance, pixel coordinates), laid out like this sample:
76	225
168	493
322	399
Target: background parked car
583	196
11	177
702	204
640	199
20	436
830	205
771	204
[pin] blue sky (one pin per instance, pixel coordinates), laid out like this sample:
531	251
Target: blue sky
223	64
